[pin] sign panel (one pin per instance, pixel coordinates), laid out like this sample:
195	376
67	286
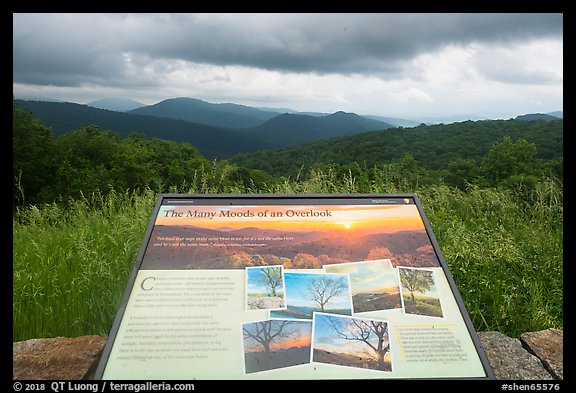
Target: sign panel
291	287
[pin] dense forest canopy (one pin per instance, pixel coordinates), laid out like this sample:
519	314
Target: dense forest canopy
432	146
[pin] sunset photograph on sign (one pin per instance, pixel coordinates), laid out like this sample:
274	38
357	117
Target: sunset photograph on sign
273	344
295	236
295	218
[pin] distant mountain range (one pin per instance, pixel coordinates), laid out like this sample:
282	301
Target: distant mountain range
216	133
211	141
217	130
558	114
396	122
225	115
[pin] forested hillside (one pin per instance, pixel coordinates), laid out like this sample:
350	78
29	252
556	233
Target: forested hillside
63	117
218	131
290	129
433	147
87	160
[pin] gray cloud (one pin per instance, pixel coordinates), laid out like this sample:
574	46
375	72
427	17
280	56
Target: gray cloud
336	42
70	49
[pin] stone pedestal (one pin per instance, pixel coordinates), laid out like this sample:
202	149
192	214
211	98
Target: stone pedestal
548	346
536	356
57	358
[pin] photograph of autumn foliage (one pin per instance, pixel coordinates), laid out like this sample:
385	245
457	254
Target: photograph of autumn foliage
351	341
274	344
419	292
236	237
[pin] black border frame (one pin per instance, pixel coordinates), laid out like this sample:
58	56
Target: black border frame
288	199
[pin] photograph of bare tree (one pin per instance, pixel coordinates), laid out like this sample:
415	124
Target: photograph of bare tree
274	344
307	293
351	341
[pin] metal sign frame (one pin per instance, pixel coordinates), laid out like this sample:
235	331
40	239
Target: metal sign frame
288	200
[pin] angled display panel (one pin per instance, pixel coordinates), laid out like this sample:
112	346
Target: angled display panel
291	287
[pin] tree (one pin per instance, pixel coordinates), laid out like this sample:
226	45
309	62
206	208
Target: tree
426	256
240	260
272	259
272	277
373	334
306	261
257	260
506	159
380	253
323	289
462	172
33	159
267	332
416	280
87	162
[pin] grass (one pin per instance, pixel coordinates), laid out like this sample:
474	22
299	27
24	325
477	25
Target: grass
71	264
423	306
505	254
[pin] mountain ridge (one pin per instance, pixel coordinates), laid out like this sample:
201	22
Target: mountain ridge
212	141
280	128
394	121
540	116
63	117
117	104
199	111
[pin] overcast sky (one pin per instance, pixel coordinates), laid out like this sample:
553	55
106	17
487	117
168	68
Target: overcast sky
413	66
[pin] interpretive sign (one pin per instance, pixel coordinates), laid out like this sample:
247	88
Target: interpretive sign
291	287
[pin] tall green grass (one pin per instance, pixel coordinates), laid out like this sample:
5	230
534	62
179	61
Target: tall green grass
71	263
505	253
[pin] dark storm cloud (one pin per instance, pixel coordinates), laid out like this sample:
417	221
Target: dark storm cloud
67	49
